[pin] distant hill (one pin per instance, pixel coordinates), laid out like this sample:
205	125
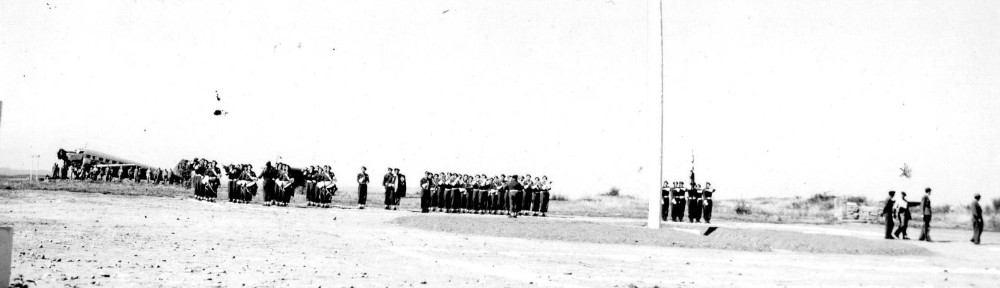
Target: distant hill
18	172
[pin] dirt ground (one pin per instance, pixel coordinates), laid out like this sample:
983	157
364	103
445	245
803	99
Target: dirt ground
84	239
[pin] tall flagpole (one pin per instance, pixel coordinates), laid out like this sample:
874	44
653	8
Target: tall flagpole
654	41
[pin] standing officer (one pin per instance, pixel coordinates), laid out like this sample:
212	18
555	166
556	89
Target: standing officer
515	191
680	201
665	200
694	203
925	207
387	182
425	192
887	212
400	188
706	209
977	220
362	188
270	187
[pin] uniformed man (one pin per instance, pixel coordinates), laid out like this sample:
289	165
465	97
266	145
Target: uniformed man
362	187
694	204
399	189
310	174
680	202
977	220
706	209
665	200
387	182
546	187
536	196
888	212
925	207
425	192
515	191
270	176
903	215
436	193
528	194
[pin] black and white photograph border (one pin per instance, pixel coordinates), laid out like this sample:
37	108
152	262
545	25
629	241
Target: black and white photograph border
444	143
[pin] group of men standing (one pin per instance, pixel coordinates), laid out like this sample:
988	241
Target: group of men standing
320	186
242	182
698	202
513	195
115	173
897	215
205	179
395	188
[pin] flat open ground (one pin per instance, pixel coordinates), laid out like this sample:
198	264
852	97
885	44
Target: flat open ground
88	239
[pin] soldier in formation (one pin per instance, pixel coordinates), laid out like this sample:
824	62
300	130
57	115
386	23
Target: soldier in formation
320	186
362	188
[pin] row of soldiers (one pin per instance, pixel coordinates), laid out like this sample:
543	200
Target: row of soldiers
119	173
480	194
242	183
698	201
205	179
320	186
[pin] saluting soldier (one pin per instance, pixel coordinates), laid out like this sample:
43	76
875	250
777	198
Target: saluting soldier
362	187
706	210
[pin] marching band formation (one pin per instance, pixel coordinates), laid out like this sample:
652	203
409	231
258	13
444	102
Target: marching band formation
480	194
697	200
447	192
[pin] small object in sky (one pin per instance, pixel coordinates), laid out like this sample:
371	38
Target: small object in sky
907	172
445	11
217	96
220	113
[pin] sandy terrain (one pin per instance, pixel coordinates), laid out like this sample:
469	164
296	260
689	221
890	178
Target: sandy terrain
80	239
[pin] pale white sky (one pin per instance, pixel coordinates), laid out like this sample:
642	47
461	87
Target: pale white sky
776	98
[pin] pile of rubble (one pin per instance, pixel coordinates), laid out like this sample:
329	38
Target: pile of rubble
853	212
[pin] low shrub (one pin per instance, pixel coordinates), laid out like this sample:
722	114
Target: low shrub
558	197
614	192
743	208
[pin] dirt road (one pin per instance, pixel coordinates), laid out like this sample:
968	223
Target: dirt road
79	239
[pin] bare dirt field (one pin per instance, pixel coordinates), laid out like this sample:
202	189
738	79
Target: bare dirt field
88	239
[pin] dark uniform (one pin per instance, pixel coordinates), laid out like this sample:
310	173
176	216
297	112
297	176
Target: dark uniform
387	182
400	190
362	189
516	192
425	193
694	205
888	213
664	202
706	210
977	220
545	188
270	186
925	207
680	201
